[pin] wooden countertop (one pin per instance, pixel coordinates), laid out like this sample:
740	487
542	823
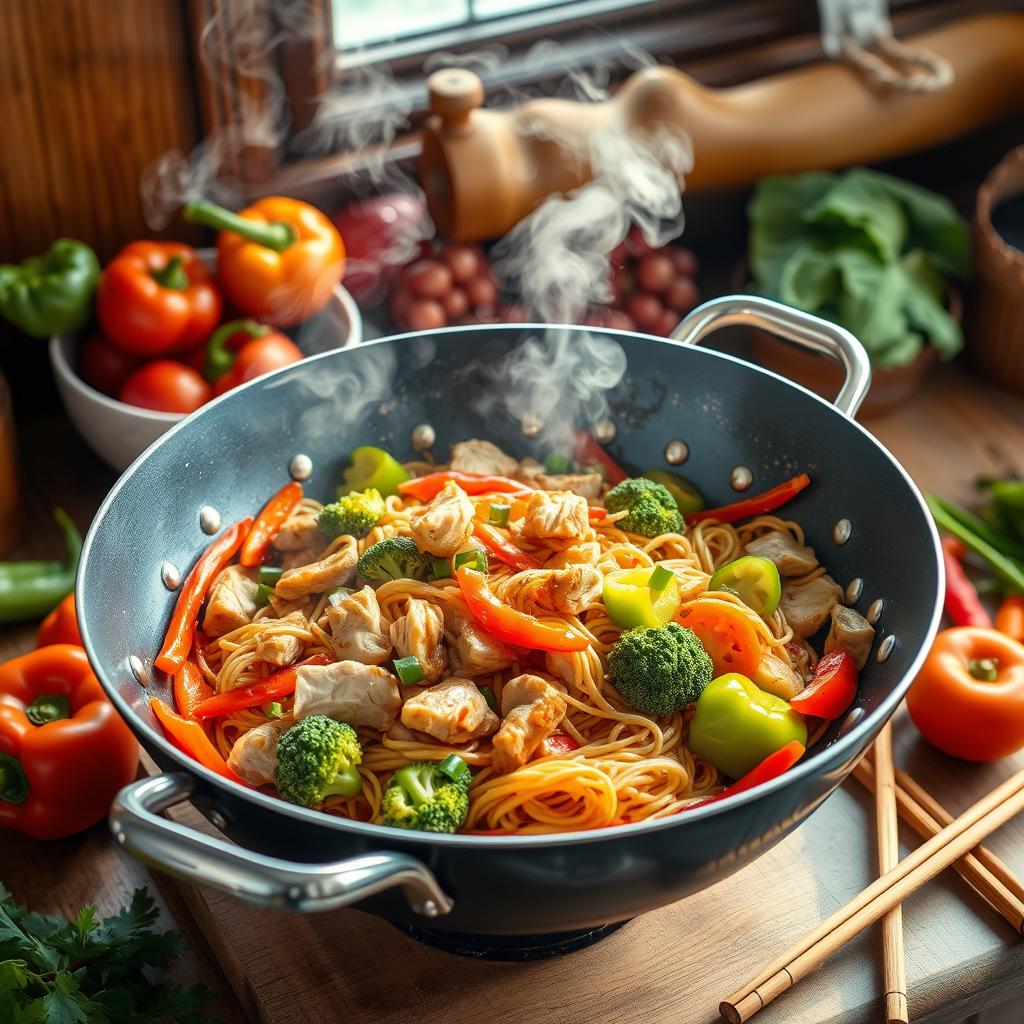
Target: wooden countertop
670	965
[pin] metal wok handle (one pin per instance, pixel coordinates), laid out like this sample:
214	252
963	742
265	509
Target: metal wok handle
252	877
803	329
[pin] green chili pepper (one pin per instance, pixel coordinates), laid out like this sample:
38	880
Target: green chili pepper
51	293
688	498
28	590
755	581
736	726
373	467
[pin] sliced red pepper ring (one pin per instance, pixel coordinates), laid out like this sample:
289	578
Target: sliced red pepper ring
514	627
832	690
190	738
502	548
274	687
756	505
770	768
271	518
426	487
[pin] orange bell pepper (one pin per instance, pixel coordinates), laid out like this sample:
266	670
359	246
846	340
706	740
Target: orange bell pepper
1010	617
968	698
278	260
190	738
60	626
268	522
426	487
64	751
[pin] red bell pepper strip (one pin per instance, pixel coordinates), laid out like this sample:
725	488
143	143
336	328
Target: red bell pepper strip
190	688
503	549
587	452
756	505
190	738
274	687
560	743
962	604
770	768
1010	617
426	487
832	689
182	627
597	514
268	522
514	627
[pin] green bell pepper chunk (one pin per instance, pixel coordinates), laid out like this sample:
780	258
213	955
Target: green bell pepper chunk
688	498
51	293
373	467
630	600
736	726
755	581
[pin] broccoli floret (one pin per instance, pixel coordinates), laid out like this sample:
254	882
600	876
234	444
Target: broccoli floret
356	514
652	509
659	669
317	758
394	558
426	796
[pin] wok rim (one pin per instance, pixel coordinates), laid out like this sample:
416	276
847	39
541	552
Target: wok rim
843	748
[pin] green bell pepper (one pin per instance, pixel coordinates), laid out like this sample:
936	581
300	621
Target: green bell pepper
688	498
373	467
736	726
631	601
755	581
52	293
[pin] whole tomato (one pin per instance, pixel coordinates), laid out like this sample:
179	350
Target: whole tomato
103	365
243	350
166	386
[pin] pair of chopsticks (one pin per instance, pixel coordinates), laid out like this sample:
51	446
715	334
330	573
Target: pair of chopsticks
948	841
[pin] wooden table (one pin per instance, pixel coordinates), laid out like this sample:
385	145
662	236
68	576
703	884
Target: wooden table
670	965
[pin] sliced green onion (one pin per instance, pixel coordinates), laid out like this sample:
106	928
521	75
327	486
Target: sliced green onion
270	574
497	514
488	692
263	595
556	462
442	569
455	768
337	595
273	709
475	559
409	670
660	578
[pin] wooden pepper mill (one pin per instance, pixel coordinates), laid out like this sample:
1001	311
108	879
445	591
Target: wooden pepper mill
484	170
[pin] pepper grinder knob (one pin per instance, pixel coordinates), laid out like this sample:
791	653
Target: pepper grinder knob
454	94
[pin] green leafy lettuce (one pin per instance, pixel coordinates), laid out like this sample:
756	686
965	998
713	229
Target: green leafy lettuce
864	250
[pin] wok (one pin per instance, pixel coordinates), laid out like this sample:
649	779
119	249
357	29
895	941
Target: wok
862	514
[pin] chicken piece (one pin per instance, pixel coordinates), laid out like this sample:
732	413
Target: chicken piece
557	590
852	633
232	601
800	655
586	485
556	516
446	524
338	569
280	648
532	710
454	711
359	634
300	556
348	691
298	531
475	456
474	652
807	605
790	558
587	553
773	675
419	633
254	754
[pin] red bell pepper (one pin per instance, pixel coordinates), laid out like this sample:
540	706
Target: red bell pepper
60	626
274	687
182	627
64	750
190	688
268	522
962	604
756	505
514	627
832	689
587	452
771	767
1010	617
426	487
560	743
190	738
502	548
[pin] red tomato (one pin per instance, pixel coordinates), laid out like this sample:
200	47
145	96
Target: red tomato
257	357
166	386
103	365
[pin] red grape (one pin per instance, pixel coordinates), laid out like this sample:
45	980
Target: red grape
654	273
464	261
683	260
665	324
483	294
620	321
425	315
681	295
636	244
645	309
428	279
456	303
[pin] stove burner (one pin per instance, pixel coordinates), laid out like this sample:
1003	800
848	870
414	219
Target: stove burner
509	947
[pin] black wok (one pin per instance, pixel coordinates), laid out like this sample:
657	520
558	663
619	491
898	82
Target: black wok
862	514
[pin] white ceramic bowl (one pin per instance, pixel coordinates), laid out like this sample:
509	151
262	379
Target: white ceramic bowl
118	432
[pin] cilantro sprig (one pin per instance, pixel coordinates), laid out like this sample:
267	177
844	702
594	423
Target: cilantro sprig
92	970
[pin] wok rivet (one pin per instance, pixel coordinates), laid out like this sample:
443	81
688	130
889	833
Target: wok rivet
209	519
741	478
301	467
605	431
530	426
854	589
138	667
217	820
169	576
428	908
676	452
875	611
841	531
885	648
852	719
423	437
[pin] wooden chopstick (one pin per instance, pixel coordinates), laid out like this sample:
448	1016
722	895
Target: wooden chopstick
892	888
894	964
981	868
